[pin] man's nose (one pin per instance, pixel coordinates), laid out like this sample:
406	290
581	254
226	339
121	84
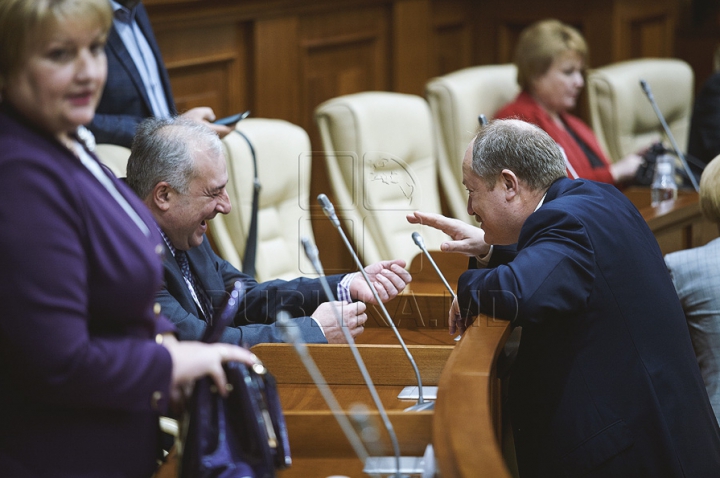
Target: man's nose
223	204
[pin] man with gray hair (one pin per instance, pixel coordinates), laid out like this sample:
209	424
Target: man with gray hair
178	169
605	383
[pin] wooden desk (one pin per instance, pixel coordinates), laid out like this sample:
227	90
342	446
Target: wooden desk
468	388
319	448
676	225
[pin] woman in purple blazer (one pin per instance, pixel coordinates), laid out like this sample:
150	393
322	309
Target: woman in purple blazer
87	363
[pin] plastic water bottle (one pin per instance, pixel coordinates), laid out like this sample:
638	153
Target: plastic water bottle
663	186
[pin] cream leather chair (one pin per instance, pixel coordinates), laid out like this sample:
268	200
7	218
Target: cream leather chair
114	157
456	100
283	159
621	115
380	154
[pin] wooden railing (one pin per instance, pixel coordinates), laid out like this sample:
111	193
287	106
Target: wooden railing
467	432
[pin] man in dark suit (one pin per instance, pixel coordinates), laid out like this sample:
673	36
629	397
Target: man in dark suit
177	167
137	84
704	139
605	383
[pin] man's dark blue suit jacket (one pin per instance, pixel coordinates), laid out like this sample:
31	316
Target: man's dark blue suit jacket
606	382
254	322
125	102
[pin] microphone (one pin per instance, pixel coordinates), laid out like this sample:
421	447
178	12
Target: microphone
417	238
646	88
329	211
291	335
311	252
482	119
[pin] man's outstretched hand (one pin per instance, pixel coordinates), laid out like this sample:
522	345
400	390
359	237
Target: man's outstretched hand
466	239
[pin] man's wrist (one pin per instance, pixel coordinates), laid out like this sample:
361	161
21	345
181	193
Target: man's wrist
343	287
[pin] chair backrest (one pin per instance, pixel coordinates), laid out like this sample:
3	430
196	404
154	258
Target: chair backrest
621	115
456	100
114	157
283	158
380	153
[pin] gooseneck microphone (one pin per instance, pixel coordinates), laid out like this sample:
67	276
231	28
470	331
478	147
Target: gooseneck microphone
329	211
312	254
646	88
291	335
417	238
421	244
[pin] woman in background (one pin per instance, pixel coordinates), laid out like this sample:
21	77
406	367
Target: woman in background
86	363
551	59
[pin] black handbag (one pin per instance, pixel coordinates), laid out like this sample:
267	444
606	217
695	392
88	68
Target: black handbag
242	435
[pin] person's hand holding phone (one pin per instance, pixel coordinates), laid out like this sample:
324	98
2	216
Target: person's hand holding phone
205	114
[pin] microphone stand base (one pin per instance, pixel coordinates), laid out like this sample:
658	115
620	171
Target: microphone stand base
386	466
419	407
411	393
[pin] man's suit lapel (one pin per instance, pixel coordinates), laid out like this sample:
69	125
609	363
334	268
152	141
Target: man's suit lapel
143	21
176	285
116	46
206	273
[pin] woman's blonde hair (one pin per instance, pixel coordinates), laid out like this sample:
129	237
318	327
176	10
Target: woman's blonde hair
710	191
540	44
21	20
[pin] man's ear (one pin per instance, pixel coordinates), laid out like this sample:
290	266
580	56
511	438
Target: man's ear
510	183
161	195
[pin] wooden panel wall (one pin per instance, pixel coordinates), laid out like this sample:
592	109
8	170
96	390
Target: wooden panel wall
282	58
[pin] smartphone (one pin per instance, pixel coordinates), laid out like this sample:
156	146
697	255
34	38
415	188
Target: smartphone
230	120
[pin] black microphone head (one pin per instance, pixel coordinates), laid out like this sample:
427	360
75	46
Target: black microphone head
418	240
482	119
645	87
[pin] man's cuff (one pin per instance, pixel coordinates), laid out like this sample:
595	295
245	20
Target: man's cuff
483	261
318	324
343	287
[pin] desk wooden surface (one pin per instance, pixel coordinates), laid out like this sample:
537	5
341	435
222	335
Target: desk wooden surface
468	414
465	373
319	447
